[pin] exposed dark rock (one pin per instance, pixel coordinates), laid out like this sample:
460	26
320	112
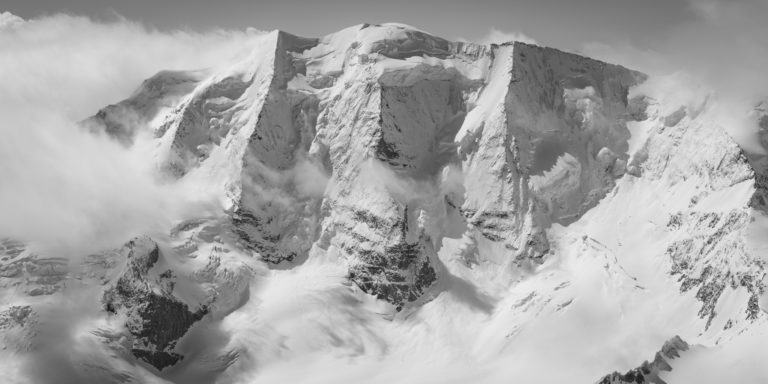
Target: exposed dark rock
395	275
155	318
400	272
258	238
16	316
759	199
648	372
385	151
699	259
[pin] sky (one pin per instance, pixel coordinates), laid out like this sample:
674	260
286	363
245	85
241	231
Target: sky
557	23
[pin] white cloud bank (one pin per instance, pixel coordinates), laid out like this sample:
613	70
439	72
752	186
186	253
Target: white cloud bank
9	20
721	53
497	36
58	185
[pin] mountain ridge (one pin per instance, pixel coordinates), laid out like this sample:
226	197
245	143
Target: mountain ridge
387	180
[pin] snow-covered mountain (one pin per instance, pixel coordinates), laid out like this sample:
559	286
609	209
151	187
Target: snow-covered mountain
397	207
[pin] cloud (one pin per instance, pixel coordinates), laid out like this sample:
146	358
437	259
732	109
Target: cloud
714	11
725	47
309	178
9	20
497	36
61	187
720	53
408	190
83	65
708	10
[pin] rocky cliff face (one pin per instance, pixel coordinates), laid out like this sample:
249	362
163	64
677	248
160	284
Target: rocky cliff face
392	118
155	318
546	146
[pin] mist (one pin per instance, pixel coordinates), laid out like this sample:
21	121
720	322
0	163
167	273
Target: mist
499	36
61	187
719	58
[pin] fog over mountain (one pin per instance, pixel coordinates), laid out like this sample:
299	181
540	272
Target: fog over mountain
380	205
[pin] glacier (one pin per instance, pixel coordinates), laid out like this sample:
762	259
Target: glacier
398	207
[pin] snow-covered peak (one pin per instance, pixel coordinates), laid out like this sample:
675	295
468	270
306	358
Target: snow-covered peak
477	208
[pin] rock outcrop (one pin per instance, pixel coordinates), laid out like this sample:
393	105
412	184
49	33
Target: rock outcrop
648	372
155	318
17	327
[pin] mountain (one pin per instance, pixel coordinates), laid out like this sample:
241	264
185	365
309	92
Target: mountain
403	208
